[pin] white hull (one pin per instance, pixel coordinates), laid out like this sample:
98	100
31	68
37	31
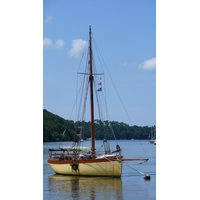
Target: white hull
113	168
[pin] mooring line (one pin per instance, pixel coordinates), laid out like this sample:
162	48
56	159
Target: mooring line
134	169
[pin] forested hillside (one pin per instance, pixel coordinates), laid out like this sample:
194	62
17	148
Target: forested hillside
54	126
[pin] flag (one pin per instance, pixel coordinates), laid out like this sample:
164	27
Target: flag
100	89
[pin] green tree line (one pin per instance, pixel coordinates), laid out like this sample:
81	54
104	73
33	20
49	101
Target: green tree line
54	126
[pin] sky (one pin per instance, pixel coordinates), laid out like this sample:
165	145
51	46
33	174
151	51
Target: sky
125	33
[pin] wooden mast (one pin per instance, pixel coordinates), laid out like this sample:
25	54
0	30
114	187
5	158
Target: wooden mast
91	96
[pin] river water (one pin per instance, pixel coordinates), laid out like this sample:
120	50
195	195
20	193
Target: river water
131	185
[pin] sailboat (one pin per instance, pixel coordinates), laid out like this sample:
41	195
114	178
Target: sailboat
79	160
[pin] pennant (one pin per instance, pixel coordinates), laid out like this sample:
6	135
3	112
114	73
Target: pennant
100	89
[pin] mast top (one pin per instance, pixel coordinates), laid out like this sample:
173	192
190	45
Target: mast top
90	31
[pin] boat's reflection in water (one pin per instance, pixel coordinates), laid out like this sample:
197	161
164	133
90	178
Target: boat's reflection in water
72	187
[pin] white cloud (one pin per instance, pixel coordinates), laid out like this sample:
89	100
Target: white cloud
48	20
149	64
47	43
78	46
123	64
59	44
126	64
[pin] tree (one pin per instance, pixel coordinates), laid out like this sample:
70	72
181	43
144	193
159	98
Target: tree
54	126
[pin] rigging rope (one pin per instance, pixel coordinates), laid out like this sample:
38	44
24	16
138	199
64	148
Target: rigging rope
77	93
84	106
98	51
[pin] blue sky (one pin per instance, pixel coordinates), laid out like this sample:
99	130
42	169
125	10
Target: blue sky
125	33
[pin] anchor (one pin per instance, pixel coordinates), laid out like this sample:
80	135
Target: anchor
74	165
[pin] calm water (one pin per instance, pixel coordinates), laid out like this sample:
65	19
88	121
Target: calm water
131	185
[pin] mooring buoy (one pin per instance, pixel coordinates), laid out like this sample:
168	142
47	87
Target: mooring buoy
147	177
